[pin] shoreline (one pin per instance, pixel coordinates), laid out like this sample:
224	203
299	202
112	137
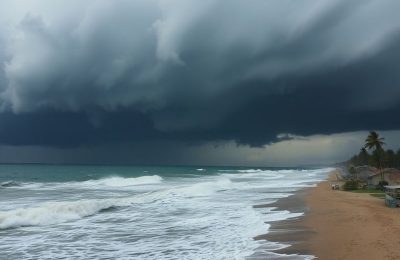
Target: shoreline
341	225
293	231
290	232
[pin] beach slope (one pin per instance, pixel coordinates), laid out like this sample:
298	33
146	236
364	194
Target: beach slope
350	225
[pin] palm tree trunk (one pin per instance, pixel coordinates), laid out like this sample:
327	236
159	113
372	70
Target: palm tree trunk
380	167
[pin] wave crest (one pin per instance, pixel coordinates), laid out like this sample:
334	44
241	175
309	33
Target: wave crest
104	183
124	182
204	188
7	184
55	212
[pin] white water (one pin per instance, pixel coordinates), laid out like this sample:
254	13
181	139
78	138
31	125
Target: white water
148	217
123	182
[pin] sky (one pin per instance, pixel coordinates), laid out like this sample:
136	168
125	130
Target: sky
211	82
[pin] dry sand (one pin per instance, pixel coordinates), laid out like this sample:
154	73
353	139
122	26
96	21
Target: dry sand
348	225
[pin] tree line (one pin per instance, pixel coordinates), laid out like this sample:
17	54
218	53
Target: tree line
374	154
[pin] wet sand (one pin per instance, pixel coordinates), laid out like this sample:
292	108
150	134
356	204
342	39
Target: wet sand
291	232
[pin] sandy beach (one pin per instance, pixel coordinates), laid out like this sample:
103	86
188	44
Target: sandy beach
350	225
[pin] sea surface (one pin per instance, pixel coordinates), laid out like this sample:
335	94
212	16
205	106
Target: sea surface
130	212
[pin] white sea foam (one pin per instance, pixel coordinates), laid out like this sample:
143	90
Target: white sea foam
59	212
54	212
204	188
123	182
113	182
274	214
251	170
207	216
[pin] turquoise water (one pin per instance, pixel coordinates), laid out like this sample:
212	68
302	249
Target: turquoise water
64	173
131	212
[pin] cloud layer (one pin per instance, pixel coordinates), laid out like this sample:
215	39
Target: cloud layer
107	71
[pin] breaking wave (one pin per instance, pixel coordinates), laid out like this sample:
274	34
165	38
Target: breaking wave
59	212
55	212
204	188
104	183
124	182
7	184
205	216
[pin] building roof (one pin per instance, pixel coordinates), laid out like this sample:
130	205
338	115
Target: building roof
394	176
375	175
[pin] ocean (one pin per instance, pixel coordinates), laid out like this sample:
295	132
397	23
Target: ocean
131	212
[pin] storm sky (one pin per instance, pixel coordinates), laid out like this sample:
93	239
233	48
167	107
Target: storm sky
260	82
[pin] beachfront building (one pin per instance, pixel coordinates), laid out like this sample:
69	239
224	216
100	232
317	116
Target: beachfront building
392	176
364	174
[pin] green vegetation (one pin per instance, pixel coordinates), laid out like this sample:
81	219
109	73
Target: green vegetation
376	143
350	185
375	193
379	157
371	154
378	195
369	191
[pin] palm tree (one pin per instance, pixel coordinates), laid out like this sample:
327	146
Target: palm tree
376	143
363	156
373	141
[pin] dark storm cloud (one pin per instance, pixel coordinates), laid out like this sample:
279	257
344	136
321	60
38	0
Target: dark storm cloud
72	129
196	71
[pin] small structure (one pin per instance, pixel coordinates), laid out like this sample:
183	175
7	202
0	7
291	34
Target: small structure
392	196
392	176
365	172
335	184
365	175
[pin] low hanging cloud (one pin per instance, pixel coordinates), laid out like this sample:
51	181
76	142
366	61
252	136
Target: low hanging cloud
314	150
196	70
